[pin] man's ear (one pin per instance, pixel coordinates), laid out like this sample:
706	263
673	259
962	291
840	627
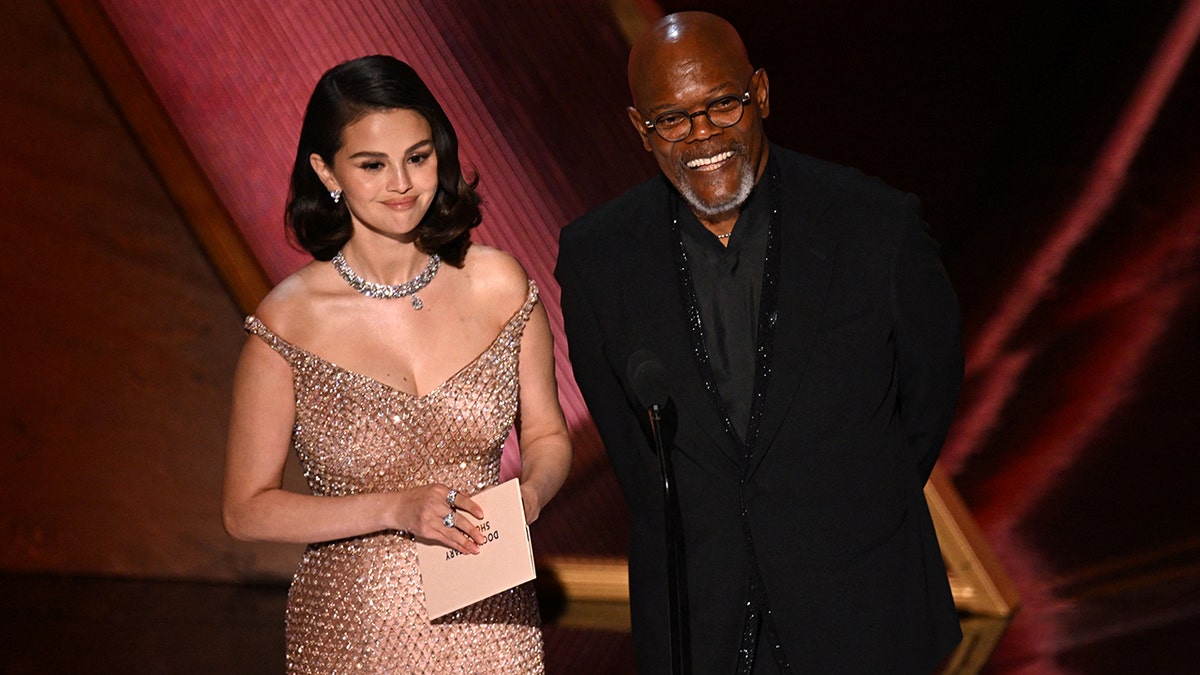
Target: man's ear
639	124
323	172
762	93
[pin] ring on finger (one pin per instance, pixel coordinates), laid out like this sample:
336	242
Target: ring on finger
451	497
448	521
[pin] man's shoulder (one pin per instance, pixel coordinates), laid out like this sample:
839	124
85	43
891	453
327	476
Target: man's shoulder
835	179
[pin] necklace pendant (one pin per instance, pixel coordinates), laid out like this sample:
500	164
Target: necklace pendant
416	302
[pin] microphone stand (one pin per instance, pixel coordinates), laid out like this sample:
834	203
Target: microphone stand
675	646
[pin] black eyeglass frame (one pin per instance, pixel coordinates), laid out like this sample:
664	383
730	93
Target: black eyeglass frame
744	100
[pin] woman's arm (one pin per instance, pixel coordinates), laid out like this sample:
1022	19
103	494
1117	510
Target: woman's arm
541	427
257	508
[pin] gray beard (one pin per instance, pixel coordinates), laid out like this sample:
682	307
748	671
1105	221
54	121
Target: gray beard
735	201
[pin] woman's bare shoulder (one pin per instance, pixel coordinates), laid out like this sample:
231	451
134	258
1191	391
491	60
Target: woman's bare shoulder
498	283
495	273
291	303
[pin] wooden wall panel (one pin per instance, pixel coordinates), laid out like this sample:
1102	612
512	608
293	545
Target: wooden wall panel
119	340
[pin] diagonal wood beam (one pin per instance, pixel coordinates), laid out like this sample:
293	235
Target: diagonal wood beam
160	141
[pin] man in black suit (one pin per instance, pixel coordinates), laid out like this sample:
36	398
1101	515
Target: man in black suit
812	342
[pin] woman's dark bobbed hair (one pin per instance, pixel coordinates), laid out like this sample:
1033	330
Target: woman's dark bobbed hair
343	95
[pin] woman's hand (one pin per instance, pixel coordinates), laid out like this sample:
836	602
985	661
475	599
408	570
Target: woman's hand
430	513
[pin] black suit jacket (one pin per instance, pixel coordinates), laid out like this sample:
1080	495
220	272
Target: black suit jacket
866	370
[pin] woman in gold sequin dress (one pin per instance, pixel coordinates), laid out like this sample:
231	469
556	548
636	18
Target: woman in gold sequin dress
394	365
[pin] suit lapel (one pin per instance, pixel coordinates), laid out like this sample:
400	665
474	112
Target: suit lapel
665	330
806	267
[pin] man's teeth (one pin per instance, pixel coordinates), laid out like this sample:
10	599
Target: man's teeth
708	161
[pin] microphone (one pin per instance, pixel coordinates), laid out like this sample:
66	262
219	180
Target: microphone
649	379
652	387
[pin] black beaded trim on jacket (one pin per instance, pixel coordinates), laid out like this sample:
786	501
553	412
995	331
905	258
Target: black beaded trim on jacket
767	318
767	315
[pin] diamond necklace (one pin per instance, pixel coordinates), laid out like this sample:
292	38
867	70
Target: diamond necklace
373	290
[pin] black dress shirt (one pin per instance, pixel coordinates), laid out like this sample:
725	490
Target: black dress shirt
728	283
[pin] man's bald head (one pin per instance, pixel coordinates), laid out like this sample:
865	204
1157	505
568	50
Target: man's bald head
677	40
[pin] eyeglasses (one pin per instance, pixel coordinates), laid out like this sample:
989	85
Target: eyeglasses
675	125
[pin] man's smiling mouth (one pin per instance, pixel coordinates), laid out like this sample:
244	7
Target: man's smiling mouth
712	161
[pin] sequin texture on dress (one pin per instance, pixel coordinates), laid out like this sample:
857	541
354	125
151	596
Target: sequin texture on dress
356	604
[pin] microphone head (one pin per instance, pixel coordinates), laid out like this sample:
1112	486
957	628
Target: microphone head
649	379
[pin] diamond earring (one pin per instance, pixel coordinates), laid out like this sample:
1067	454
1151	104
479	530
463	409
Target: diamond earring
335	195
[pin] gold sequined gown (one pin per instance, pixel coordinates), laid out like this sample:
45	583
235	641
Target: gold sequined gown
356	605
